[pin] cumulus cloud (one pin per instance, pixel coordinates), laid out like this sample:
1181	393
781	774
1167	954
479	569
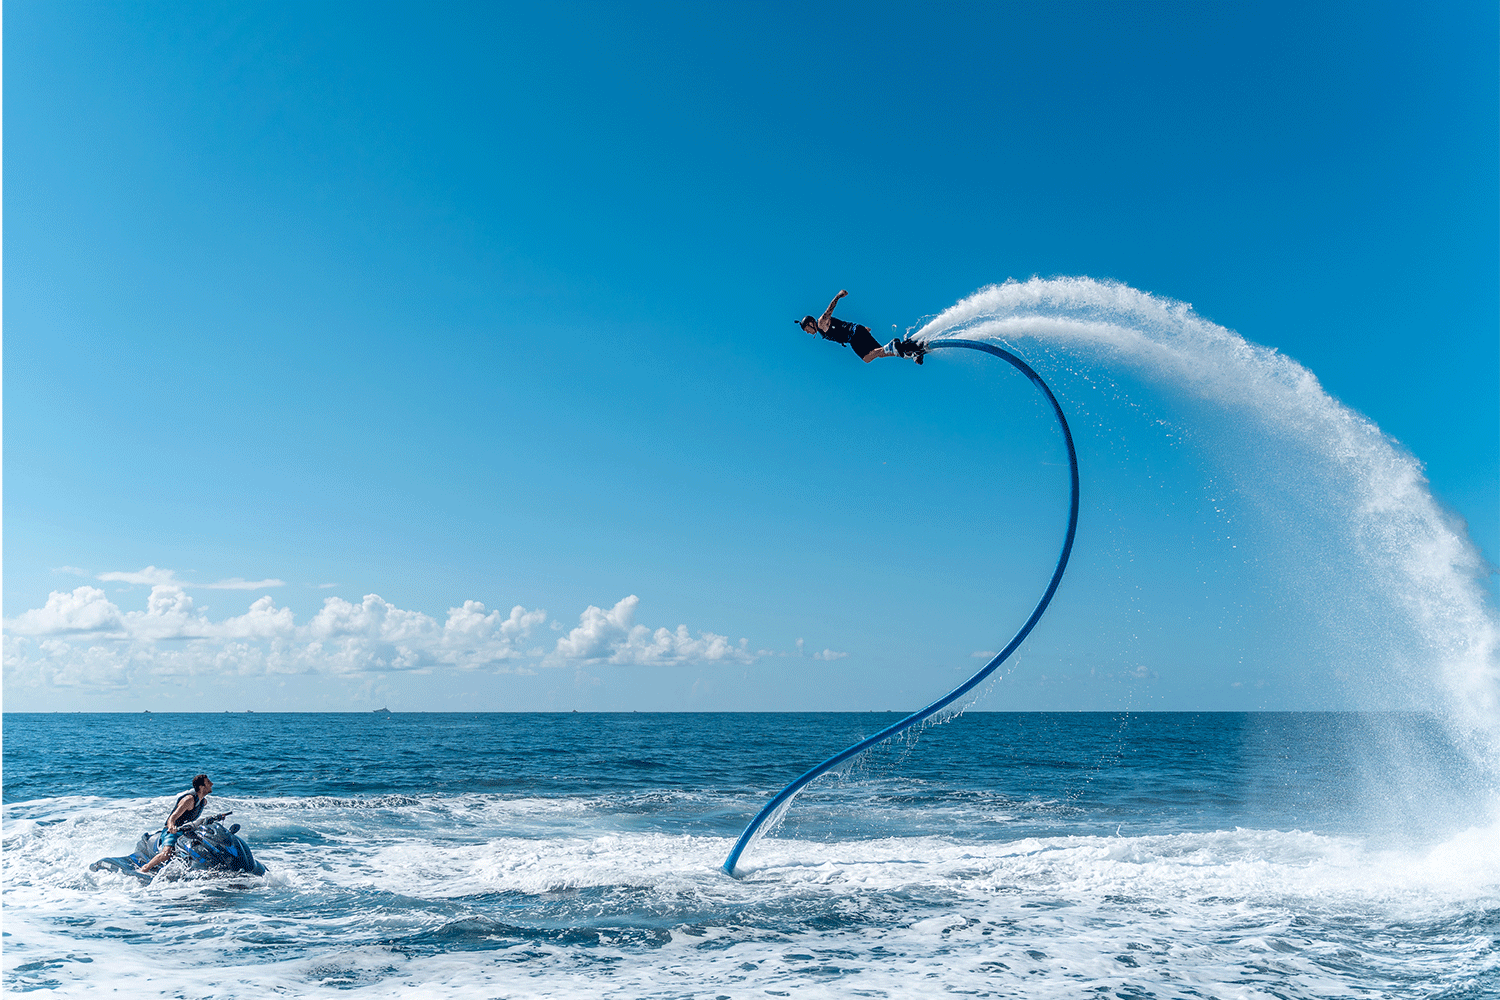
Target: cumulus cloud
612	637
597	631
86	609
264	620
829	654
373	635
169	614
58	663
83	639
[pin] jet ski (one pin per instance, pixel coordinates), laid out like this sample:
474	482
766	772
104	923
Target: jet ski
203	848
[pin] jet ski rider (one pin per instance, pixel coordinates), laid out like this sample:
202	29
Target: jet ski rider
189	806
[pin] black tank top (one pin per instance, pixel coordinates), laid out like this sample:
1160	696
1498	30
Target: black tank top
192	813
839	331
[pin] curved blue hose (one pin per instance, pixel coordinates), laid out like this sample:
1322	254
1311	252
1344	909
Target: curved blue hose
1062	563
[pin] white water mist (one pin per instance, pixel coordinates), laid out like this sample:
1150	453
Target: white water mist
1394	577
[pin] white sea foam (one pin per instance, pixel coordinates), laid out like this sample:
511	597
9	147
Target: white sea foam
1321	473
378	906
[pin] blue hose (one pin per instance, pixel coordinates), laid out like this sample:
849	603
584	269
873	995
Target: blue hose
786	793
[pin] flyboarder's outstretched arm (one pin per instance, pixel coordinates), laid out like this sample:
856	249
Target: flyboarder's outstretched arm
828	313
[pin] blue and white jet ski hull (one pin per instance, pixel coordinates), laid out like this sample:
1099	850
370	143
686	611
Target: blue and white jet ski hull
210	849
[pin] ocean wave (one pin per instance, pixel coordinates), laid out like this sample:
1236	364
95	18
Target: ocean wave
622	913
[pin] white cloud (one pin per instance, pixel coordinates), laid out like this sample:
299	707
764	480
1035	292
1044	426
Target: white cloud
373	618
150	577
829	654
86	609
82	639
612	637
373	635
60	664
153	577
263	621
471	621
662	646
70	570
597	631
169	614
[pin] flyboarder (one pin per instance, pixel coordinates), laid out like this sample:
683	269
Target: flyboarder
858	337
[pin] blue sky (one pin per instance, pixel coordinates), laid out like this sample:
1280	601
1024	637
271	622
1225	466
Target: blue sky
488	304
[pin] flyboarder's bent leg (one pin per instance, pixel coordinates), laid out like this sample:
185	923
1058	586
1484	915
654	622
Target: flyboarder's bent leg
898	349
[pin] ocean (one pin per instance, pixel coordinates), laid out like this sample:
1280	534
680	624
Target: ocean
1281	855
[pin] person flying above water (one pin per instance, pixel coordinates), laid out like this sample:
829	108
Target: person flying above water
858	337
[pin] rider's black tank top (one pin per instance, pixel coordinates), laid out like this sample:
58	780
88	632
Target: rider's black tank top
192	813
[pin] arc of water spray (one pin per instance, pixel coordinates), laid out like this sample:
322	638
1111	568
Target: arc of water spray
785	795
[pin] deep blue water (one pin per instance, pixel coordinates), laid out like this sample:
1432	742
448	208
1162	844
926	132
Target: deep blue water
1170	854
1158	772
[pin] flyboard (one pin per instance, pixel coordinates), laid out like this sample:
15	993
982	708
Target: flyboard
783	798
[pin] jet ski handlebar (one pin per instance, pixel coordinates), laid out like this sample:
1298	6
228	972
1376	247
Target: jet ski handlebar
199	824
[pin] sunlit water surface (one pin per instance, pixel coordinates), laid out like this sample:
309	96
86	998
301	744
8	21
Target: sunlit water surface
1223	855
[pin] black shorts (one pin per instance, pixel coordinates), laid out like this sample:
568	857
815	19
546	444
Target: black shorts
861	342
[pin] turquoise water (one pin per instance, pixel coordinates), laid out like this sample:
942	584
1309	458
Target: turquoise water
1171	855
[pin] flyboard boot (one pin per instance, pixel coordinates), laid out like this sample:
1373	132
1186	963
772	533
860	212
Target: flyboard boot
908	349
